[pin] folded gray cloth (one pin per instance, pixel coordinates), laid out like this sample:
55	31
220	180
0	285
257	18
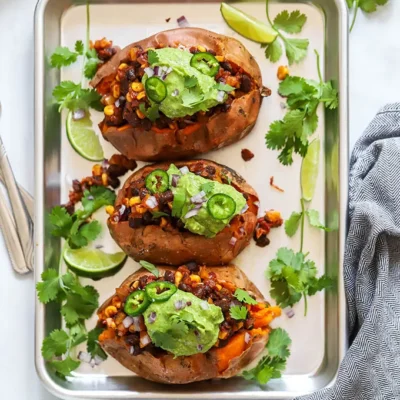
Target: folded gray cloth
371	367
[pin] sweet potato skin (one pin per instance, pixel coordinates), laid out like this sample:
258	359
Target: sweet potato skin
170	246
218	131
181	370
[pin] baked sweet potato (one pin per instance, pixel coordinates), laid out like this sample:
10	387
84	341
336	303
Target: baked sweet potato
167	138
238	344
163	240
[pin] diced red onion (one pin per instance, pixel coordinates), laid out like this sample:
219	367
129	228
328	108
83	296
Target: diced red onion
198	198
151	202
175	93
244	209
145	340
149	71
90	197
169	70
78	114
136	323
179	305
127	322
182	22
192	212
188	303
204	305
242	231
199	347
105	164
196	333
92	363
175	180
84	357
117	103
181	47
184	170
97	359
152	318
247	337
289	312
131	350
233	241
122	209
220	96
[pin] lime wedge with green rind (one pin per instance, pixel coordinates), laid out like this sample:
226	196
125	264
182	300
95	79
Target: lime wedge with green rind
309	170
93	263
83	138
247	26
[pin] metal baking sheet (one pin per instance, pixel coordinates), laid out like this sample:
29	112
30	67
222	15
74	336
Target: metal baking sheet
318	339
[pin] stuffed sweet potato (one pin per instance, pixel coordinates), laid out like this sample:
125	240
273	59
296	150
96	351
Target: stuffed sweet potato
190	324
187	211
179	93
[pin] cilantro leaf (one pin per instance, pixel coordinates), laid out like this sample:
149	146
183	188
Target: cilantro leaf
64	368
243	296
190	81
191	97
150	267
61	221
92	62
49	288
77	333
93	346
273	51
91	230
94	199
151	112
278	343
70	95
79	47
324	282
329	96
314	220
350	3
158	214
55	344
238	312
290	23
63	57
207	187
224	87
296	49
152	57
283	294
292	224
370	6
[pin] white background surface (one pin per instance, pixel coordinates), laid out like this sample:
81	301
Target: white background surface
374	81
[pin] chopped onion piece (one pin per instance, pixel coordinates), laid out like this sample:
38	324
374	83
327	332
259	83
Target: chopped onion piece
181	47
97	359
244	209
84	357
247	337
152	318
127	322
121	210
182	22
78	114
242	231
256	203
151	202
156	70
175	93
90	197
199	198
192	213
199	347
149	71
105	164
220	96
179	305
92	363
169	70
184	170
131	350
289	312
145	340
136	323
204	305
233	241
175	180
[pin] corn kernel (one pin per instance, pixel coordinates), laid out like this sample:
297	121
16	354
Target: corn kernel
220	58
108	100
218	286
116	91
96	170
178	277
109	110
110	210
163	222
128	98
134	200
110	311
133	53
140	114
135	285
104	179
201	49
141	95
117	78
240	325
195	278
123	66
110	323
222	335
210	301
137	86
283	72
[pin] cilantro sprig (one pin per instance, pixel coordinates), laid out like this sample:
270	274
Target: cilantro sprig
291	134
272	365
238	312
368	6
295	48
78	303
76	228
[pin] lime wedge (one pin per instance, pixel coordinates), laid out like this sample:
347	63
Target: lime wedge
247	26
93	263
83	138
309	170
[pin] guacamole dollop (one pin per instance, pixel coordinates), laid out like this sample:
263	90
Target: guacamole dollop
188	90
184	324
190	185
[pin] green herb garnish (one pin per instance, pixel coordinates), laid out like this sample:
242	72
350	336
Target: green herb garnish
368	6
238	312
244	297
150	267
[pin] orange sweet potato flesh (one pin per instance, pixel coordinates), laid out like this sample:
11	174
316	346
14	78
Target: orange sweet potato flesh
215	132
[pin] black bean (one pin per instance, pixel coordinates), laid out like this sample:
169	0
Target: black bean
249	323
226	66
148	218
224	304
134	191
76	186
210	170
146	124
262	241
192	266
166	197
184	287
143	192
245	85
132	339
131	117
70	208
169	276
116	170
114	182
135	222
130	74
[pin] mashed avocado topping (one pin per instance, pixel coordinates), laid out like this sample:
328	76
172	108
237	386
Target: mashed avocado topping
184	324
196	215
188	90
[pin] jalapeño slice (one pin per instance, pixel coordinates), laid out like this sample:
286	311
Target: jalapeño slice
136	303
156	89
221	206
157	181
206	63
160	291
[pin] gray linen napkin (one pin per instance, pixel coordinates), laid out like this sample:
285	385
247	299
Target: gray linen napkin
371	367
